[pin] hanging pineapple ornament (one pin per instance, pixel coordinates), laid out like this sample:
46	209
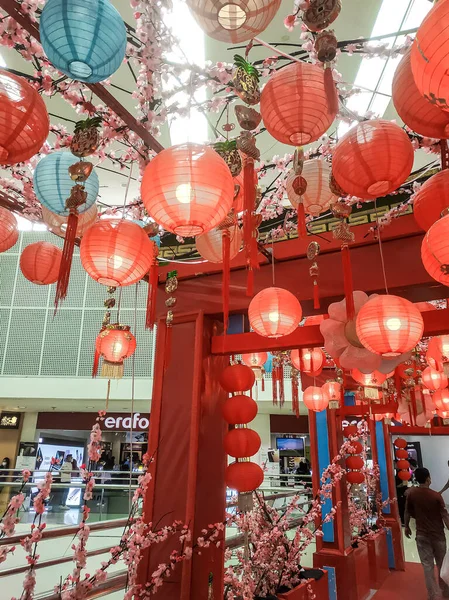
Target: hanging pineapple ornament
313	251
343	233
245	79
86	138
319	14
230	154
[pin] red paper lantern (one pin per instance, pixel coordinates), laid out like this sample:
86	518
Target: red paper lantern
318	195
389	325
373	159
441	399
236	21
239	410
9	234
405	475
435	251
425	306
355	462
237	378
416	111
443	414
315	399
402	465
115	343
401	454
255	359
356	448
350	431
332	390
243	476
210	244
433	379
429	56
374	379
188	189
296	105
355	477
24	122
308	360
40	262
432	199
241	443
438	351
409	366
274	312
400	443
57	224
116	253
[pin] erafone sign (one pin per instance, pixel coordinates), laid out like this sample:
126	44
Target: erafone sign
136	422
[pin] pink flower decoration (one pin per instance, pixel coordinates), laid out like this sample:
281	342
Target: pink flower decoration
289	22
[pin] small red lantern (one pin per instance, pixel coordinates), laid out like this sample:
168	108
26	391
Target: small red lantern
401	454
296	104
356	448
315	399
355	463
40	262
374	379
274	312
389	325
9	234
438	352
355	477
431	201
24	122
400	443
332	391
308	360
116	253
350	431
243	476
433	379
256	361
417	112
373	159
188	189
241	443
441	399
435	251
239	409
403	465
237	378
404	475
115	343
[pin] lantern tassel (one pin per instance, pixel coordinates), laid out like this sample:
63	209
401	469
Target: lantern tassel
226	252
316	295
67	256
301	213
347	279
263	382
295	394
331	90
151	298
112	370
96	363
281	386
274	374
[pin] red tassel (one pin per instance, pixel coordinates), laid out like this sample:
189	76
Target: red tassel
274	375
96	363
295	394
302	229
67	256
413	407
151	297
347	280
226	252
316	294
444	154
331	89
249	201
250	282
263	383
281	385
167	350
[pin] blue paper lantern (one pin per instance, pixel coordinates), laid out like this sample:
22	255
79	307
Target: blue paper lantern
52	183
84	39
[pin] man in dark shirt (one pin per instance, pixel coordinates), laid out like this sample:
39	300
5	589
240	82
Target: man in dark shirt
429	511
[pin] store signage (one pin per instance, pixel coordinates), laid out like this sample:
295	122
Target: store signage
9	420
83	421
137	422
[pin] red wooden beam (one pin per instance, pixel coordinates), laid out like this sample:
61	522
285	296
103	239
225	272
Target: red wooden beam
13	9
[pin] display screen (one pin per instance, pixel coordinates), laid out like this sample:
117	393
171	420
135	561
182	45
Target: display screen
290	443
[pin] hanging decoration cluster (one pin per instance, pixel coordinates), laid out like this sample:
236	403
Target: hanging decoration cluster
402	465
354	462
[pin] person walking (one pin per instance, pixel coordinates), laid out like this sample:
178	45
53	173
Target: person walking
66	477
428	510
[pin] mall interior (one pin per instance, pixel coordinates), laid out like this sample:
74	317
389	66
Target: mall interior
224	271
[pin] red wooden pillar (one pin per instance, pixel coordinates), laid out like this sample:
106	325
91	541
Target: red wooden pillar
186	440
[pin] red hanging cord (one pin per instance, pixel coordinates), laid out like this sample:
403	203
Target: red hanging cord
67	257
153	280
301	213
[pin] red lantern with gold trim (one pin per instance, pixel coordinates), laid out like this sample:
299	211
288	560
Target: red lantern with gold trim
115	343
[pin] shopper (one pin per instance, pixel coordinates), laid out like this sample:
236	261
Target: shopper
66	477
446	487
429	511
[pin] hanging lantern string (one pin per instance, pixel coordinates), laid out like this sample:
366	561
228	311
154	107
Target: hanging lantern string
272	263
127	190
133	372
381	248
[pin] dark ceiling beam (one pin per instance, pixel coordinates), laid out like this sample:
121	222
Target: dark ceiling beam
12	7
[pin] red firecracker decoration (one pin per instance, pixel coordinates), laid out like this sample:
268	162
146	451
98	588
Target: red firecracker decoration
9	233
114	343
40	262
373	159
274	312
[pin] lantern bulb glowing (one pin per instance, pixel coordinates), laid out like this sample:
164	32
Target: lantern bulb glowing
393	324
273	316
184	193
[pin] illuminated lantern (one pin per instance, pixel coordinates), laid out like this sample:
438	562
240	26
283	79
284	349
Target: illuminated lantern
373	159
237	378
438	352
400	443
355	463
188	189
315	399
84	39
374	379
429	54
432	199
24	122
243	476
332	391
9	233
39	263
274	312
115	343
444	414
417	112
236	21
405	475
356	448
58	224
433	379
308	360
408	369
210	245
256	361
441	399
116	253
355	477
297	108
401	454
239	409
241	443
435	251
318	195
389	325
